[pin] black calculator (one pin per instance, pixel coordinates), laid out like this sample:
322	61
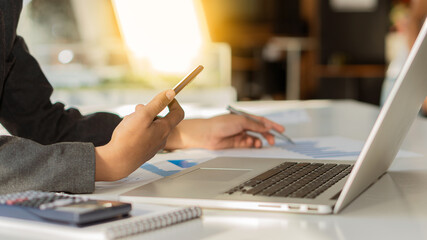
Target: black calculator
60	208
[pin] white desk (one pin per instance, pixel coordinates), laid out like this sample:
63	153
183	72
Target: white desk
393	208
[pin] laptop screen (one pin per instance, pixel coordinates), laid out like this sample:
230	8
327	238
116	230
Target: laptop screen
393	122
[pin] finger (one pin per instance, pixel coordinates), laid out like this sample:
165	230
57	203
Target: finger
251	125
158	103
175	115
241	140
248	142
138	107
269	137
257	143
270	124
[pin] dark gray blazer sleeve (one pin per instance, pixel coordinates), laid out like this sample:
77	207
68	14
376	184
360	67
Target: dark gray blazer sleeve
53	147
25	164
26	110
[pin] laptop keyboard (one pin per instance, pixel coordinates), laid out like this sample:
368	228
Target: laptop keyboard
295	180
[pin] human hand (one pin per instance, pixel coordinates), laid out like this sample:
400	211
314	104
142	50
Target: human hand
225	131
137	138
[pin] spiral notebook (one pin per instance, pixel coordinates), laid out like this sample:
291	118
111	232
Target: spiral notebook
144	218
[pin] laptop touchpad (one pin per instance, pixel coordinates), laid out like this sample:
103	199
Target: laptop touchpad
214	174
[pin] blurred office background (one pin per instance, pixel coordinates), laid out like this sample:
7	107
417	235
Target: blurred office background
124	51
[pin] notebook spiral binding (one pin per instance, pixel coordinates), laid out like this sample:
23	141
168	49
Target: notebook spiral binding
156	222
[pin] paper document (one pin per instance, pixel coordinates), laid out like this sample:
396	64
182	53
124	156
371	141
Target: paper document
166	164
330	147
289	117
161	165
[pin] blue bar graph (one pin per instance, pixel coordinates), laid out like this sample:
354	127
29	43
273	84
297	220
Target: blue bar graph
310	149
182	163
154	169
169	167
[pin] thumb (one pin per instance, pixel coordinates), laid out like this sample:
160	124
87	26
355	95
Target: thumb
159	102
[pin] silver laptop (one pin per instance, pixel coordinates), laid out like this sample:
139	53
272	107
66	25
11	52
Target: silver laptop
306	186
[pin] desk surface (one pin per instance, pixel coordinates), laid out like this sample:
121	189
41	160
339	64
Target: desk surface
393	208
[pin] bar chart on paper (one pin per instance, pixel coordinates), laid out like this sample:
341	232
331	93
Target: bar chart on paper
328	147
182	163
312	149
169	167
162	165
331	147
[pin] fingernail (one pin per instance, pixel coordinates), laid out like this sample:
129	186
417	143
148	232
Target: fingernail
170	94
138	106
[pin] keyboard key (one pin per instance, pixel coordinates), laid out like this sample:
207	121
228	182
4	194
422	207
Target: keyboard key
296	180
273	171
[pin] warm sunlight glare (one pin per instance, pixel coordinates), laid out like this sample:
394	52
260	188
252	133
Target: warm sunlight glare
166	32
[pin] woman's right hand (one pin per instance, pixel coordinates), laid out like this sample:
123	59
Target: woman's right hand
137	138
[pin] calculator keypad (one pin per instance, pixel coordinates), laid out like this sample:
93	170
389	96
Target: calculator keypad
41	200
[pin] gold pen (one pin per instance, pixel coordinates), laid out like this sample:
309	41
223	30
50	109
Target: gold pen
272	131
187	79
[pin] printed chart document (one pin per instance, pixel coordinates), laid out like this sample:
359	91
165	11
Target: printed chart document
166	164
